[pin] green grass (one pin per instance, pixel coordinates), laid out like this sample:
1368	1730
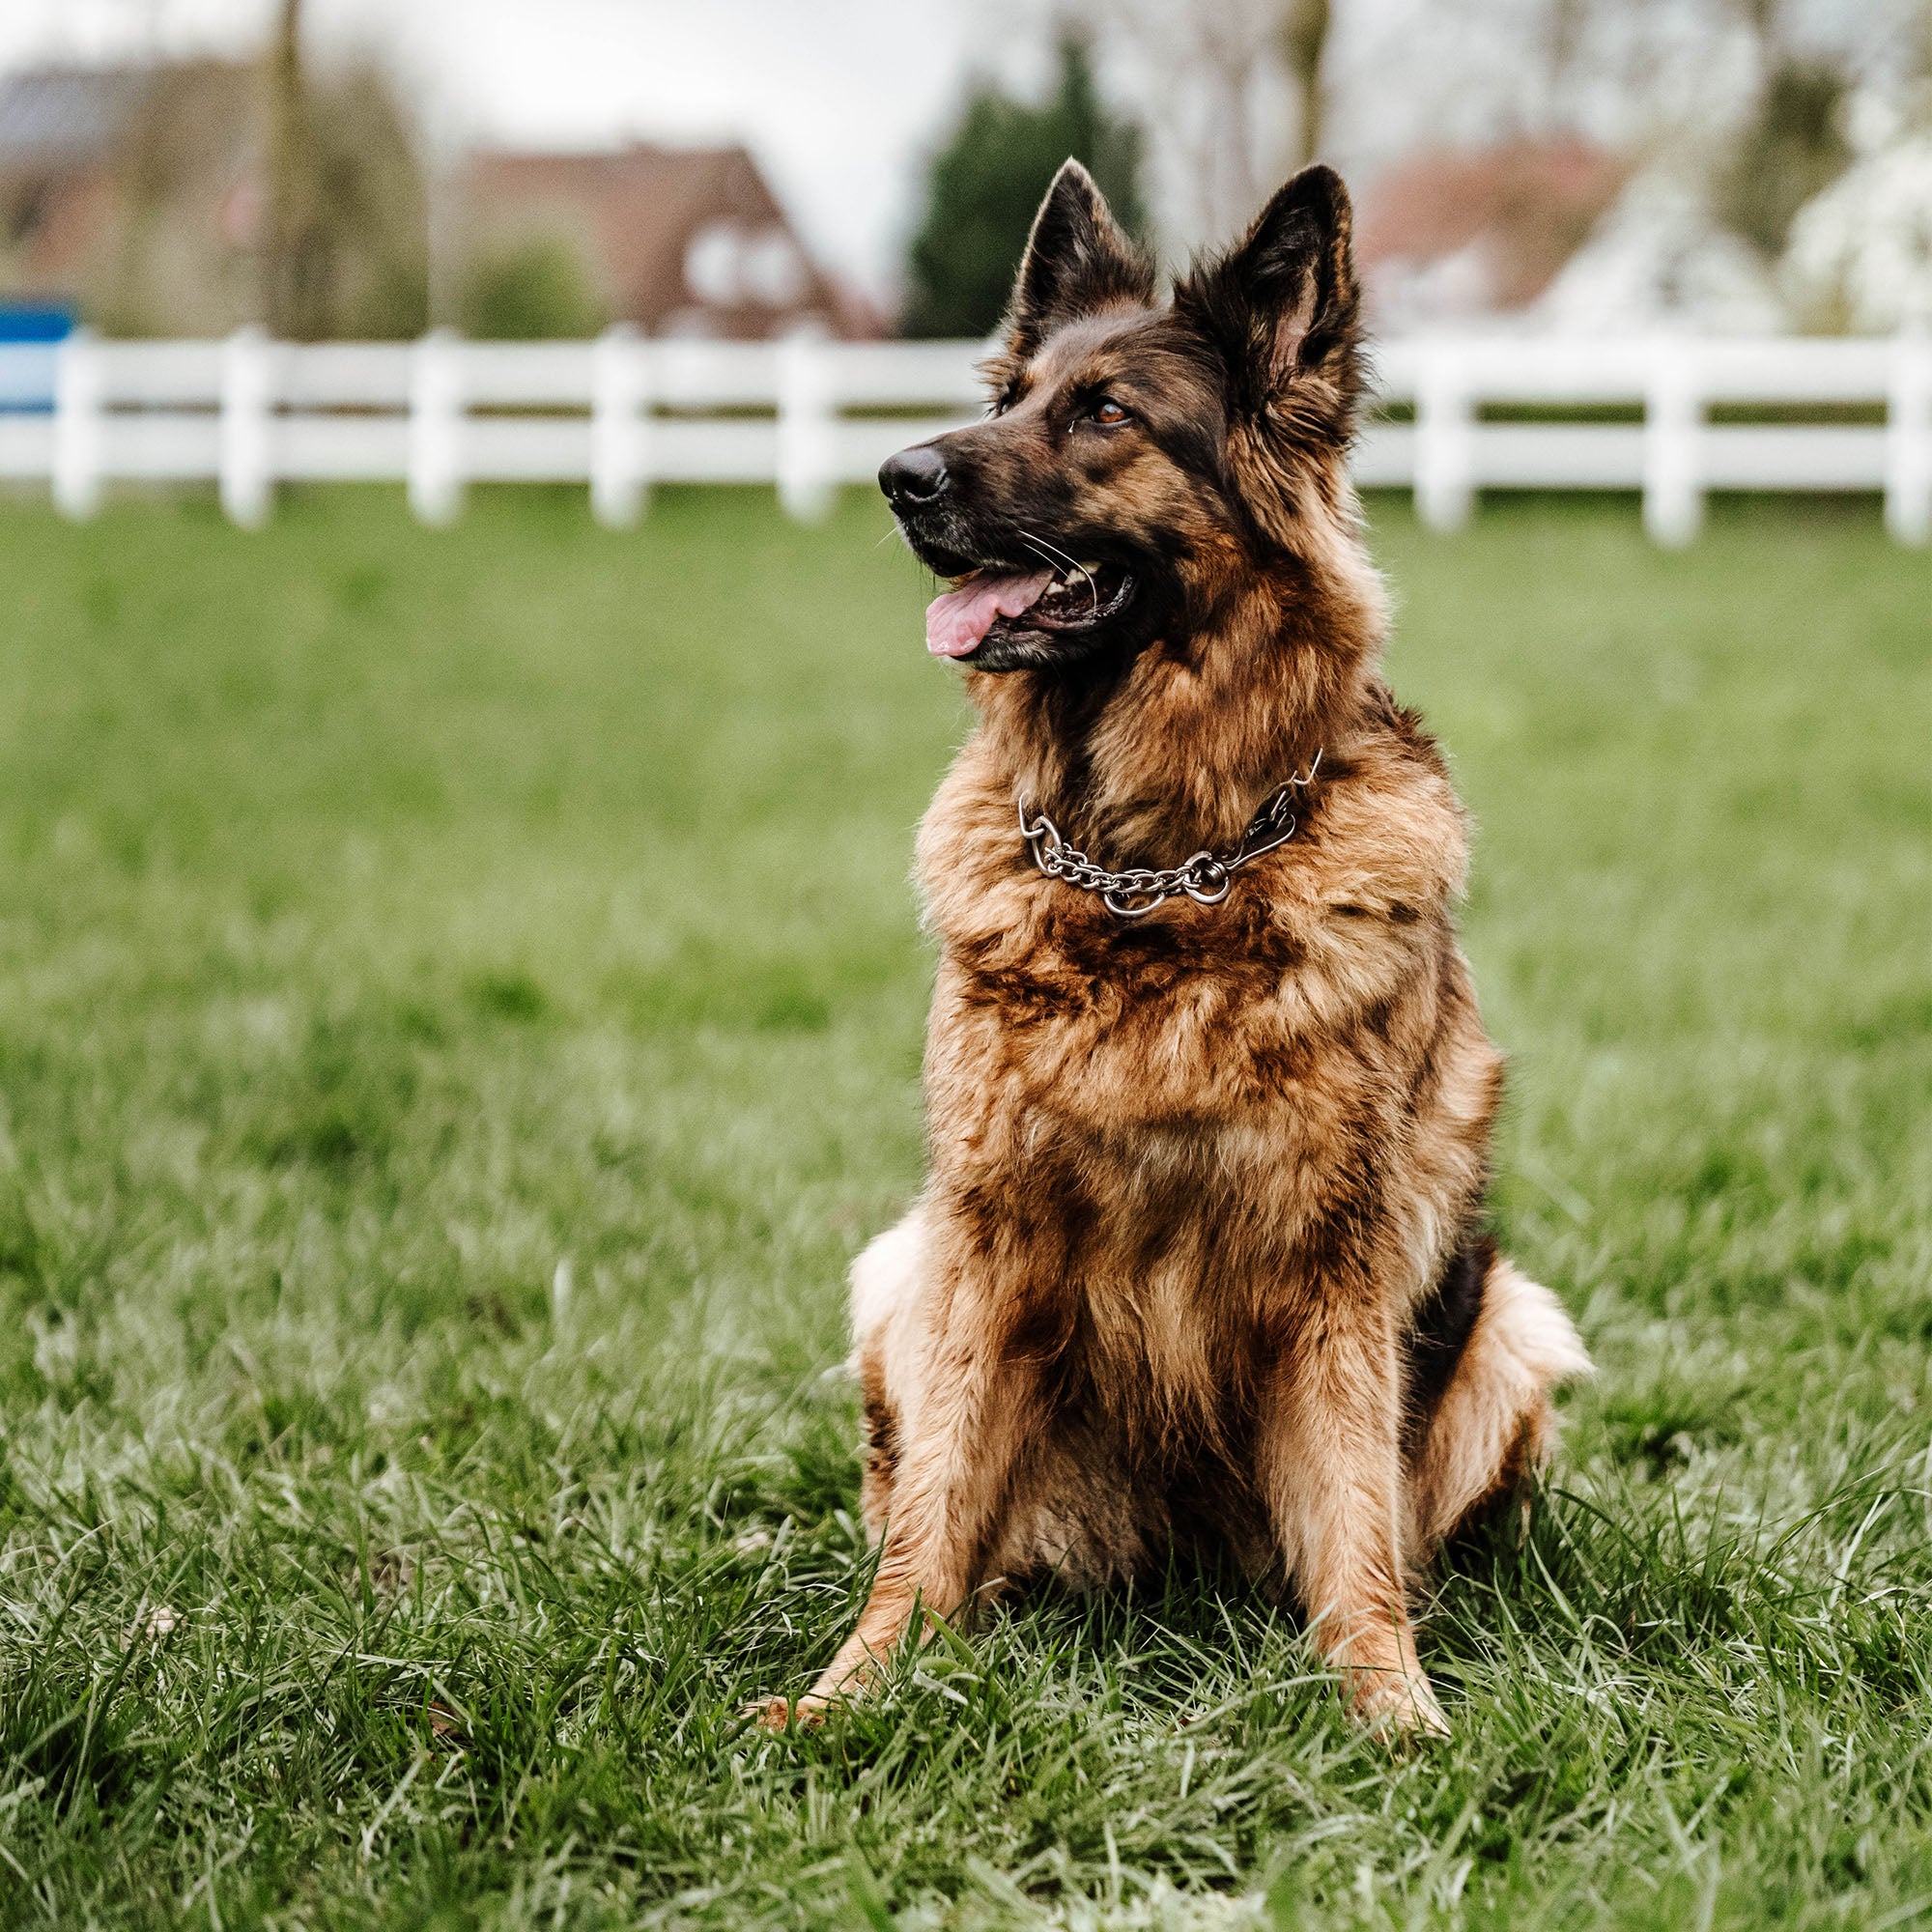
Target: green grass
460	1009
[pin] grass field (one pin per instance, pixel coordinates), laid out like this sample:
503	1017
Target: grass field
460	1008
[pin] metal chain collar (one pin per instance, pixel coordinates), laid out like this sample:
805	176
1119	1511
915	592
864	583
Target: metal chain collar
1205	878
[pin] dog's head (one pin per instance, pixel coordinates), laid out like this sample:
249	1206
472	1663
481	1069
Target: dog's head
1136	456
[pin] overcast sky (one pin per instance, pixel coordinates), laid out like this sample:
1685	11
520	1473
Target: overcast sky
837	99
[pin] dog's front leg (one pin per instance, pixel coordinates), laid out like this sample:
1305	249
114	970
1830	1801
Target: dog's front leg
952	1480
1330	1470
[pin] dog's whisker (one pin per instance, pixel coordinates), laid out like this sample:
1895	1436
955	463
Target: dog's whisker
1041	544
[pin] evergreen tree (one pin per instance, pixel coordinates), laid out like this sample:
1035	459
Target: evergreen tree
988	183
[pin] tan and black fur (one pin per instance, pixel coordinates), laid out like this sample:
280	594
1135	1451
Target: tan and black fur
1202	1251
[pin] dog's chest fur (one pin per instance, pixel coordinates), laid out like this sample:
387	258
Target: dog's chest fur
1195	1126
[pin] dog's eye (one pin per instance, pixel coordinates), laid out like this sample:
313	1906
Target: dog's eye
1109	413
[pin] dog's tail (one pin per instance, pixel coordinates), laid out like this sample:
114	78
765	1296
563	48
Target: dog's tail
1492	1426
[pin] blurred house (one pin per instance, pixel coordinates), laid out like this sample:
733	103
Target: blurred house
1449	237
1660	259
56	133
1557	236
129	193
678	240
139	196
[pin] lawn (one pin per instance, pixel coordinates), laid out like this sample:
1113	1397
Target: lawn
460	1011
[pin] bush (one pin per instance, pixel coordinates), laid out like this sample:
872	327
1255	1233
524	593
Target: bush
537	289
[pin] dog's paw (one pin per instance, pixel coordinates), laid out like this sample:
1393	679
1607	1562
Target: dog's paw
781	1714
1399	1709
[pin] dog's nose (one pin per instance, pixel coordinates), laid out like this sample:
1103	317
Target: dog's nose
914	477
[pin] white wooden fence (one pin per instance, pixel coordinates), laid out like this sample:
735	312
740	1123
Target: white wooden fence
622	413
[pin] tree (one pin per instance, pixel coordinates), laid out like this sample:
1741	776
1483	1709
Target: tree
1304	43
347	247
1791	150
1860	254
195	240
287	251
988	183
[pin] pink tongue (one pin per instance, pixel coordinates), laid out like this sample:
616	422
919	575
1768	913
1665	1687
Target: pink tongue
958	620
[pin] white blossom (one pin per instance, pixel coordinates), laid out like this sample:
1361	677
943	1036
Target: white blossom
1864	248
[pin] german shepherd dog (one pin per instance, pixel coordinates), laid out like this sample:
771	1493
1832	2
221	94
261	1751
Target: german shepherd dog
1200	1258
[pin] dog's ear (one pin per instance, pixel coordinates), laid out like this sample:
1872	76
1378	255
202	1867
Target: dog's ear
1078	258
1284	306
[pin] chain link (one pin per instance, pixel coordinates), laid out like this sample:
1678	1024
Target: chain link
1135	893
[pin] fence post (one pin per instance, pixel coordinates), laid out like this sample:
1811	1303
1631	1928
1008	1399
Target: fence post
620	426
247	398
808	425
436	427
1908	440
1445	439
1673	415
80	430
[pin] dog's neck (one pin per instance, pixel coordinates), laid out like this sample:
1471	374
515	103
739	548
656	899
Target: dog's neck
1173	751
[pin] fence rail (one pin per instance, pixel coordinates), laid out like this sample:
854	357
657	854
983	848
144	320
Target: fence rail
622	413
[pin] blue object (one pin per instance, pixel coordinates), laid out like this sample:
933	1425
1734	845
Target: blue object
29	334
35	322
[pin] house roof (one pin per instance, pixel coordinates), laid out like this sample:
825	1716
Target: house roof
66	116
636	211
1518	211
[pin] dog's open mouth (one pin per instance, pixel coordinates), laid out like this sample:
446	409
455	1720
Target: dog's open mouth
994	602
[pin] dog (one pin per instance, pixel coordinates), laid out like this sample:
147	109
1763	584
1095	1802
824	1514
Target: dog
1200	1258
